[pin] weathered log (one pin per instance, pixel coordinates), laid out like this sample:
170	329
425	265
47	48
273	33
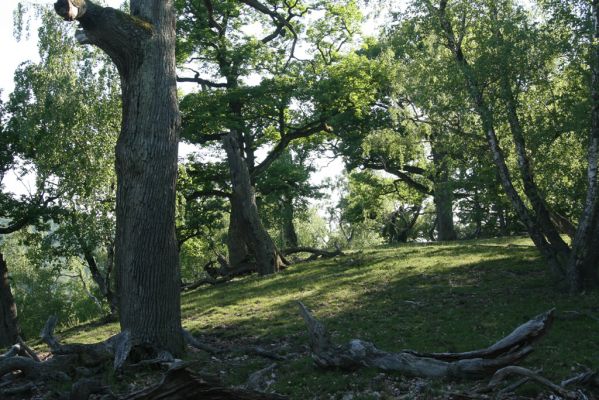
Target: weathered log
475	364
180	383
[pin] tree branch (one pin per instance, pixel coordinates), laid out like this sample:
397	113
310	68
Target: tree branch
308	130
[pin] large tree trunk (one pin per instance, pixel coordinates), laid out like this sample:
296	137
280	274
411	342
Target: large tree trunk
257	239
142	45
9	326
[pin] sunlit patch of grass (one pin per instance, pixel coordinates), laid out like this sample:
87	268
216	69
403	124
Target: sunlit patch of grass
429	297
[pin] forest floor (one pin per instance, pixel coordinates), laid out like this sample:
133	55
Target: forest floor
427	297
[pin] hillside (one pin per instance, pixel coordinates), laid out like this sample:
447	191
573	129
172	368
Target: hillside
441	297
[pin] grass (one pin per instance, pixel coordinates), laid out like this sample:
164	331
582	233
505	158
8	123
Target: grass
441	297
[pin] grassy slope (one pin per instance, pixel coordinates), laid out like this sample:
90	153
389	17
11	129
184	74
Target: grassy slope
443	297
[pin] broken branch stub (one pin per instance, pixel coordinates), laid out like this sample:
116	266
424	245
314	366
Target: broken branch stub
358	353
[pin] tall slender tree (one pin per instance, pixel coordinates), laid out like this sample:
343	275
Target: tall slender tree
496	73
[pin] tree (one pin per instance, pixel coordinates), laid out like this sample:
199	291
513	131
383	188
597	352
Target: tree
502	58
249	117
65	118
142	46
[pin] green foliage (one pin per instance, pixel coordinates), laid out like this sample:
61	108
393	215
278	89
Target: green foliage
63	119
42	288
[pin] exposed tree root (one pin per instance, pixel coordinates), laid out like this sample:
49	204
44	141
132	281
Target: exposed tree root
474	364
255	350
116	348
180	383
80	364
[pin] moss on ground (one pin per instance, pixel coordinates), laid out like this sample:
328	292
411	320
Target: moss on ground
428	297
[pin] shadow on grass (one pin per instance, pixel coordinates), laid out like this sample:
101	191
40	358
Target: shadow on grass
449	297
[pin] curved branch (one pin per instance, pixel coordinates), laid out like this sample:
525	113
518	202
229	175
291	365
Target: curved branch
306	131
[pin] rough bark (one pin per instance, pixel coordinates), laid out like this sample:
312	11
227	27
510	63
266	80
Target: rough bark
9	325
239	253
473	364
259	243
142	45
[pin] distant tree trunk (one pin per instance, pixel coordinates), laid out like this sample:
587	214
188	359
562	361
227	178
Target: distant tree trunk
400	223
477	212
288	227
142	45
103	281
9	325
443	195
257	239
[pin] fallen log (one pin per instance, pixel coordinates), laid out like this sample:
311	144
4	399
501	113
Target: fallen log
474	364
206	281
180	383
316	253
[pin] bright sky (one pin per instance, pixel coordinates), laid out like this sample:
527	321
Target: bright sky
15	52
